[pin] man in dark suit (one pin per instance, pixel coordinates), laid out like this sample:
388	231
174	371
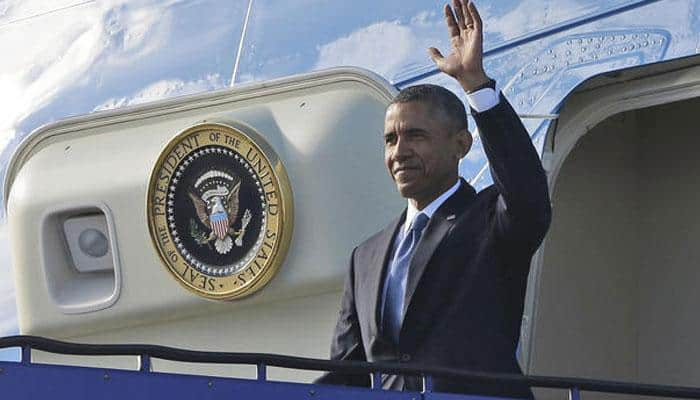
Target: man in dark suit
444	284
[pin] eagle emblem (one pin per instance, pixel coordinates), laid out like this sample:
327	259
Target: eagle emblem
216	201
220	213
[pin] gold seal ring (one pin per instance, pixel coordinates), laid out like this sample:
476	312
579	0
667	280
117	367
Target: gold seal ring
220	210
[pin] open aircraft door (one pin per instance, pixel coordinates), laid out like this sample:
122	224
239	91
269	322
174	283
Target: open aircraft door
613	294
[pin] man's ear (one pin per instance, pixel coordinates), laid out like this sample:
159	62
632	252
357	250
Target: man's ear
464	140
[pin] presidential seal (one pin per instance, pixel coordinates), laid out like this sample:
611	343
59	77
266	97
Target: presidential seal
220	210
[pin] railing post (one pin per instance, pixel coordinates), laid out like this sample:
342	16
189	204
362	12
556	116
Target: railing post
145	363
574	394
26	355
262	372
377	380
427	383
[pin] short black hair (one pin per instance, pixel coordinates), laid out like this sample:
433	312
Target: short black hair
440	98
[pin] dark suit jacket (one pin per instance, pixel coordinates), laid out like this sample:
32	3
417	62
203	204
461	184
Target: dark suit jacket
467	279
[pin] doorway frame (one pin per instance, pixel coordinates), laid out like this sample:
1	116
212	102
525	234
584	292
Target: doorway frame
592	102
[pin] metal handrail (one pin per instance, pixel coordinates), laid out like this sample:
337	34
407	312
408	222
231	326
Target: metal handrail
262	360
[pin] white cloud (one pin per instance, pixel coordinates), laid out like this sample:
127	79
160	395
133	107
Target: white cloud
164	89
42	64
64	45
131	34
387	47
14	10
48	54
380	47
521	20
4	10
391	47
515	22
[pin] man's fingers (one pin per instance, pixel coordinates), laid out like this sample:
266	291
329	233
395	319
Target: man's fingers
459	11
474	15
452	26
436	56
464	10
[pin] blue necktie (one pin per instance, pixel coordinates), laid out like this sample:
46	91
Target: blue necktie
398	277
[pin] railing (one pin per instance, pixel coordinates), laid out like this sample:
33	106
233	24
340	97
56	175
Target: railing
262	361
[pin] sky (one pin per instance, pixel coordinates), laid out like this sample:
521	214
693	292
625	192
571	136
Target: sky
71	57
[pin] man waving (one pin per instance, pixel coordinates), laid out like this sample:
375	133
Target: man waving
443	285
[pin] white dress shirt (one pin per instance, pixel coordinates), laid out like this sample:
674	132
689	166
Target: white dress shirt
483	99
428	210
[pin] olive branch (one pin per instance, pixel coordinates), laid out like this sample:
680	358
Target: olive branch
198	236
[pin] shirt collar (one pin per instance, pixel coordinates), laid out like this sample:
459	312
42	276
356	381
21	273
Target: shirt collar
430	209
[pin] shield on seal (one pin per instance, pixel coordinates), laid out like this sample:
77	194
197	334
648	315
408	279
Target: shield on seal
219	224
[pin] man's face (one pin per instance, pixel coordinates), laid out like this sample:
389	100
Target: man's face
420	150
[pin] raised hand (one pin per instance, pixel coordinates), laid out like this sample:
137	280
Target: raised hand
465	62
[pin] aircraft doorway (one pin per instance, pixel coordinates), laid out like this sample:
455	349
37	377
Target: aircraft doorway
619	278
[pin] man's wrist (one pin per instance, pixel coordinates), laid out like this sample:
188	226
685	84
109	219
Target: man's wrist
490	83
475	83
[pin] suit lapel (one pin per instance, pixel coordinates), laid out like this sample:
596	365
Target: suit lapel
435	231
377	267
